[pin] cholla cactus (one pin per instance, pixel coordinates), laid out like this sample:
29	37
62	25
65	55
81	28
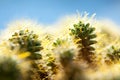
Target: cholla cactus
58	42
9	70
51	62
66	57
114	54
71	70
27	42
84	35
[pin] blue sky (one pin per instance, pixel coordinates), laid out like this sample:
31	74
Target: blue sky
48	11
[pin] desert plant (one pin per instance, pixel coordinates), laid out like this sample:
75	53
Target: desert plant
58	42
27	41
71	70
66	57
9	69
113	54
84	35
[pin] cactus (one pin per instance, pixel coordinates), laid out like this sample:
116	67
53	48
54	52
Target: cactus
84	35
9	70
114	54
58	42
66	57
71	70
28	42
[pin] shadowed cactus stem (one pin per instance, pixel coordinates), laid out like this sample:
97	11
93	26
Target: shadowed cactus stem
9	69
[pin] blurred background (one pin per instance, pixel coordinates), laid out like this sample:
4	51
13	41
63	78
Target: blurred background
49	11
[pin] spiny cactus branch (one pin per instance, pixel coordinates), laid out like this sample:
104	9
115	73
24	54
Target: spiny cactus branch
28	42
84	34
